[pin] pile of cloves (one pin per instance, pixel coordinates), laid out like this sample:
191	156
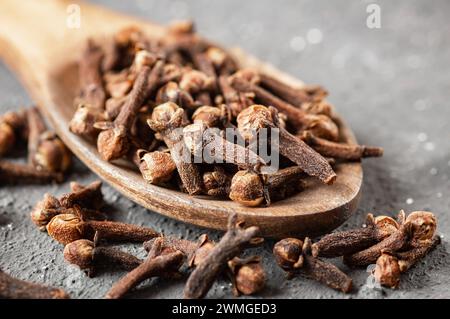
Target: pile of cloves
77	221
144	99
392	245
48	157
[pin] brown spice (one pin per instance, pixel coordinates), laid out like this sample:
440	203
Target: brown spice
89	196
66	228
231	245
340	150
322	125
167	120
12	288
113	141
158	263
351	241
14	173
208	145
258	116
156	167
294	256
92	90
84	254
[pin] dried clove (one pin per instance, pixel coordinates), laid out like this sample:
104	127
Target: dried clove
156	167
14	173
231	245
92	90
172	93
340	150
236	101
84	118
45	150
256	117
351	241
89	196
66	228
13	126
204	142
167	120
418	228
390	265
158	263
294	96
247	275
217	182
212	116
294	256
84	254
321	125
13	288
113	141
45	210
251	189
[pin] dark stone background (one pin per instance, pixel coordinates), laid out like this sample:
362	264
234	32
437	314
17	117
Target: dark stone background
391	85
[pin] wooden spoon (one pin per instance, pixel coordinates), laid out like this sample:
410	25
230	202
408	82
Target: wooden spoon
37	43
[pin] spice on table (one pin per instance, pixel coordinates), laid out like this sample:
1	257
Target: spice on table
235	240
390	266
418	228
294	256
89	257
89	198
13	288
66	228
158	263
15	173
247	275
351	241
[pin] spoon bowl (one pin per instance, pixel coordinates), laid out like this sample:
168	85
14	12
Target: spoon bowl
39	44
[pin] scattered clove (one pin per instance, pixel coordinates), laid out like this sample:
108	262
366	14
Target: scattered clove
89	196
12	288
294	256
231	245
14	173
352	241
158	263
258	116
390	265
418	228
84	254
66	228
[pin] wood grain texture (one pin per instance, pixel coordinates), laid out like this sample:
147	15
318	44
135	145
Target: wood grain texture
37	45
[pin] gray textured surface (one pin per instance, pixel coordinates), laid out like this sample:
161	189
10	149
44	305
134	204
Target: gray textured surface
391	84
